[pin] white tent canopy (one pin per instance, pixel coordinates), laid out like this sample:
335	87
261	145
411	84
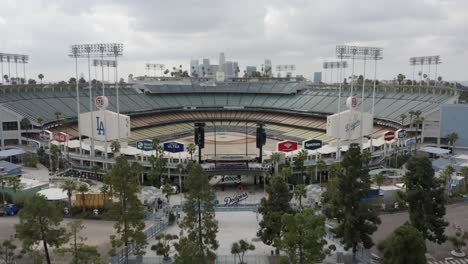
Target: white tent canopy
54	194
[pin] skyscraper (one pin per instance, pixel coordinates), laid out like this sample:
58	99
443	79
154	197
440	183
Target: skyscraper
268	68
222	61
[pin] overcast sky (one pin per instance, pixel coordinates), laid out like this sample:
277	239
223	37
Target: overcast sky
300	32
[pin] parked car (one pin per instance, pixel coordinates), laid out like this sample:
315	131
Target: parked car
10	209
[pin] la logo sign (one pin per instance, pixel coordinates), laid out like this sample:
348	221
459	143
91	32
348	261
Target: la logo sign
288	146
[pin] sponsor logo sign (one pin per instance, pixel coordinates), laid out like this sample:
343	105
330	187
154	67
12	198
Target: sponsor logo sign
45	135
235	200
352	102
401	133
145	145
312	144
410	142
173	147
288	146
388	136
60	137
101	102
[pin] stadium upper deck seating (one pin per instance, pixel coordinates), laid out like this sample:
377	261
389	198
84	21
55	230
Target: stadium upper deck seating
45	103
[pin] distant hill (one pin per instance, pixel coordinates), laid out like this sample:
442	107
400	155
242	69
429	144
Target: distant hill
464	83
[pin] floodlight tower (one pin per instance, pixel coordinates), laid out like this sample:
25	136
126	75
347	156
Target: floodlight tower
9	73
377	54
24	60
117	51
429	62
1	61
437	61
421	61
340	53
413	62
75	54
325	67
332	65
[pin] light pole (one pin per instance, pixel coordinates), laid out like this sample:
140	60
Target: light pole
75	54
340	51
1	61
413	62
325	67
24	60
377	54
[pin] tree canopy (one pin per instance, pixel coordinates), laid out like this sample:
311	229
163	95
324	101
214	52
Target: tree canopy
426	199
405	246
357	220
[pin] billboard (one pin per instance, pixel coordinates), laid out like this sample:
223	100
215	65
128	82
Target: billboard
401	133
60	137
287	146
105	125
347	125
45	135
389	136
145	145
410	142
173	147
312	144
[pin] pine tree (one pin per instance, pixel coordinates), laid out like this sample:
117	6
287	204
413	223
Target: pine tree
303	237
425	196
273	208
40	223
199	220
356	218
405	246
128	210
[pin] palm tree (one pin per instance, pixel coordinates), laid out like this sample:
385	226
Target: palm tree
95	169
452	138
83	188
411	114
191	149
402	117
3	180
55	153
464	173
69	186
446	175
115	147
180	168
275	158
379	179
25	124
40	76
40	121
138	170
319	167
300	192
58	115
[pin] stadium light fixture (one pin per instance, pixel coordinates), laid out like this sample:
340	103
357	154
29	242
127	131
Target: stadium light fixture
426	60
17	58
335	65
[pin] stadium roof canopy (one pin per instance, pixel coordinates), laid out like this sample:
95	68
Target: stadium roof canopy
240	87
434	150
10	152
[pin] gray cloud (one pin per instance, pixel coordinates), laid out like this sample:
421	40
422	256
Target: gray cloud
300	32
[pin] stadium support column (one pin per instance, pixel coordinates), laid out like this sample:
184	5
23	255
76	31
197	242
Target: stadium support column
214	124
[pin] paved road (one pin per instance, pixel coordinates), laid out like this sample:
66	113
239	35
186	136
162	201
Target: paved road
456	214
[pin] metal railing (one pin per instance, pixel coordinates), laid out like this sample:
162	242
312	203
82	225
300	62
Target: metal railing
151	232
